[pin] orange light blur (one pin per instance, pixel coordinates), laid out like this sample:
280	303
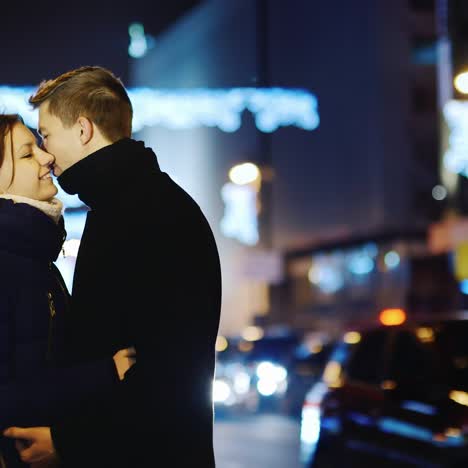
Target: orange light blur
245	346
390	317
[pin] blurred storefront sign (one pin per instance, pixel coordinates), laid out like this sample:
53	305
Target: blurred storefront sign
456	116
240	213
446	235
264	266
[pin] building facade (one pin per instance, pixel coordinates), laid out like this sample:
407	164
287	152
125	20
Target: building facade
367	169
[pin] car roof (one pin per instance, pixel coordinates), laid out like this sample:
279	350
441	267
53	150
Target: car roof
412	321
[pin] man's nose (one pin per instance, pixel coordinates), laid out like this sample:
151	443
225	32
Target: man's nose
45	158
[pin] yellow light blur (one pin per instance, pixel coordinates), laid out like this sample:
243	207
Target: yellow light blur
352	337
221	343
332	374
425	334
245	346
252	333
461	82
388	385
316	348
459	397
244	173
453	432
391	317
314	274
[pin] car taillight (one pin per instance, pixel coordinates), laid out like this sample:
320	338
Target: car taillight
392	317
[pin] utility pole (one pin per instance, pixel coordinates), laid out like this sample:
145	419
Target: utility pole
265	157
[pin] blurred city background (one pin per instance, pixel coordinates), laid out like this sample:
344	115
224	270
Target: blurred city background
327	143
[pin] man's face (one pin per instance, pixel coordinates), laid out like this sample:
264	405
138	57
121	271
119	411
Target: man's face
63	143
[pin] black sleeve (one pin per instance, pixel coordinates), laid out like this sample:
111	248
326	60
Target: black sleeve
37	402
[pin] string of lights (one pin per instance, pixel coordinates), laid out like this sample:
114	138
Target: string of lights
185	109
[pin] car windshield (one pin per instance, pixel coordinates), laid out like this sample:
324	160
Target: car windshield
451	340
432	354
278	349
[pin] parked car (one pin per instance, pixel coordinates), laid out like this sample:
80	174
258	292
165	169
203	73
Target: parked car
252	376
305	369
392	395
233	392
268	362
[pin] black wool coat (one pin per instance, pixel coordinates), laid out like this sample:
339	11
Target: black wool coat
147	275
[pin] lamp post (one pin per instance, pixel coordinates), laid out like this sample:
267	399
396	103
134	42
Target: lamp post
264	139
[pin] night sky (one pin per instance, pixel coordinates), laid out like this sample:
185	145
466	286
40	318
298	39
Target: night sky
43	39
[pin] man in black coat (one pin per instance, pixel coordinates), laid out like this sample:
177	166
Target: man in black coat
147	275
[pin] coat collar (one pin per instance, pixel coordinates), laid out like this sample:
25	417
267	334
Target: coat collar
27	231
52	208
109	173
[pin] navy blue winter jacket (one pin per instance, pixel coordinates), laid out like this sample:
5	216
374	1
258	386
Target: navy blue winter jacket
35	388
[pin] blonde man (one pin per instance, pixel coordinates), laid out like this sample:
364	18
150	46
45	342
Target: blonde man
147	275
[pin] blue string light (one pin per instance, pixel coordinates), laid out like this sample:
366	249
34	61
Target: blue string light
202	107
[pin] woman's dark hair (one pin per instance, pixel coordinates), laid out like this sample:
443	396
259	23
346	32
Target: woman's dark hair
7	122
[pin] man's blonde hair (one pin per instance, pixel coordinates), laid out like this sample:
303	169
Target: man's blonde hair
92	92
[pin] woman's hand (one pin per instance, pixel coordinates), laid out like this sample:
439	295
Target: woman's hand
124	359
34	445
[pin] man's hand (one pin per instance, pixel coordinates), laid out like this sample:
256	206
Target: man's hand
124	359
34	445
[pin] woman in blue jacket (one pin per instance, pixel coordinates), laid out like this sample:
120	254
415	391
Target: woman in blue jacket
34	388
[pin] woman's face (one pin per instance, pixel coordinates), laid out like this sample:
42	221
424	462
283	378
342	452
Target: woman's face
31	165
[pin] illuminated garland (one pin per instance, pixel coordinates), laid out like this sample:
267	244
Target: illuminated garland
185	109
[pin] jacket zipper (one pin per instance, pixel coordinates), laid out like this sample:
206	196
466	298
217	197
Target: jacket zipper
50	299
52	309
62	286
52	313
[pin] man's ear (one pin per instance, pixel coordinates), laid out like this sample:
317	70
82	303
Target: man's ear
86	129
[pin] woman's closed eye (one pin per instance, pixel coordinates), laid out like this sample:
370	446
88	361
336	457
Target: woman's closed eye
29	155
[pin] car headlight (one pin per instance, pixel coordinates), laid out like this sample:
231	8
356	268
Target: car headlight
271	378
241	383
221	391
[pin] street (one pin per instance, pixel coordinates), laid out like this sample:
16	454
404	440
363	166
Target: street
263	441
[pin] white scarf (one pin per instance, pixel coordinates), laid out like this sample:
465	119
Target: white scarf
52	208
